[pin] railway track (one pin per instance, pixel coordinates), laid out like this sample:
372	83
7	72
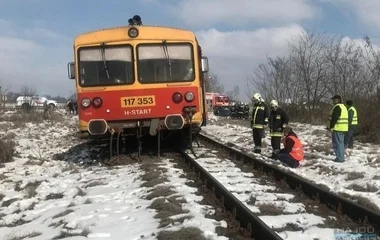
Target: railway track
254	226
251	225
359	214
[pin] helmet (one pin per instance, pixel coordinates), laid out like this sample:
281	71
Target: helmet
256	97
273	103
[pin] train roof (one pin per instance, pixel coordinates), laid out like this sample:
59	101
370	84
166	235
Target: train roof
148	32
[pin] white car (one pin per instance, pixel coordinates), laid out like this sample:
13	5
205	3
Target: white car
27	102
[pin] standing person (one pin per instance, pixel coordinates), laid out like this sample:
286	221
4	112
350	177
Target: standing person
46	114
338	125
278	120
259	120
293	152
75	107
352	125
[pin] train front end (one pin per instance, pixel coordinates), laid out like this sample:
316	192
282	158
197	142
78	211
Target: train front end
139	80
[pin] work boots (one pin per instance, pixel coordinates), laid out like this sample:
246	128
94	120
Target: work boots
275	153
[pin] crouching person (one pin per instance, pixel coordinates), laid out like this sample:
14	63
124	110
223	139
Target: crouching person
292	153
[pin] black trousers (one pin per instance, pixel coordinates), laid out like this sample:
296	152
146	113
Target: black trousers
276	143
257	136
288	159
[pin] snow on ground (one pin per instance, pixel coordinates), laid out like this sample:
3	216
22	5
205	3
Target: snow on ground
43	198
263	199
358	176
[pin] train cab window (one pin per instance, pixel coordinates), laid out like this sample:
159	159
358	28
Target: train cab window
163	63
105	66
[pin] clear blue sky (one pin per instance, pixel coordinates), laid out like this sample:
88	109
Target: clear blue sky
36	36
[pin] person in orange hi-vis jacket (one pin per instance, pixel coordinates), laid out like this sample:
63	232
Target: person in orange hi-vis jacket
292	153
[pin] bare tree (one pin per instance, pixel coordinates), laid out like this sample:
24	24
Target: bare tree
319	66
308	55
27	93
212	83
373	64
234	93
4	88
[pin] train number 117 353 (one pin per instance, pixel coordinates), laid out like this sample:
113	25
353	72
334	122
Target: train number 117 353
138	101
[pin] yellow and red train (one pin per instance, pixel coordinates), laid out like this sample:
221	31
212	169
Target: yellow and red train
139	80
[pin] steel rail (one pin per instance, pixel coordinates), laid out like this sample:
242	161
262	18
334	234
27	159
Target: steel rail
253	225
337	203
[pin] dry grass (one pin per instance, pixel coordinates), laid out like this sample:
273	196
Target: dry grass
34	161
51	196
367	188
16	223
290	227
95	183
164	205
182	234
67	234
377	177
30	189
324	148
365	202
35	116
80	192
62	214
160	191
14	236
252	200
56	224
270	209
167	221
152	178
7	150
71	167
167	207
354	176
319	132
3	176
8	202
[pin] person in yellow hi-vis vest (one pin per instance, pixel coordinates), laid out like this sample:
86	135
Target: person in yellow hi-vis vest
338	125
352	125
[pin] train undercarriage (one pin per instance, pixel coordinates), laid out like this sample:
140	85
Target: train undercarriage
174	130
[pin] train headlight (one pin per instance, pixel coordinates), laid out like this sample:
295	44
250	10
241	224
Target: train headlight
177	97
86	102
97	102
189	96
133	32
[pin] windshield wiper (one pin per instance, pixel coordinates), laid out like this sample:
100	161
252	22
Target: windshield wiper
103	50
166	53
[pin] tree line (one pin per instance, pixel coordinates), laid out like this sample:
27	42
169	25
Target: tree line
319	66
212	84
26	90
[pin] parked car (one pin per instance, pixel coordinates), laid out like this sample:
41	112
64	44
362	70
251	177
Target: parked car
28	102
222	111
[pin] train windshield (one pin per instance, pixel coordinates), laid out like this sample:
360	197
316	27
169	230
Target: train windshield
165	62
222	99
105	66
